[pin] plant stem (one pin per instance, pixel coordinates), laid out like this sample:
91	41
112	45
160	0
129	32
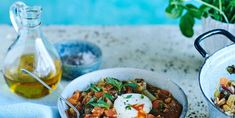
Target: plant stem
232	19
220	5
215	8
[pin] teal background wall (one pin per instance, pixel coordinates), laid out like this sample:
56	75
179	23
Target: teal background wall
96	12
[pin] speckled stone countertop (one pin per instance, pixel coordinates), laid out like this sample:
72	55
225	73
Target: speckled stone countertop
159	48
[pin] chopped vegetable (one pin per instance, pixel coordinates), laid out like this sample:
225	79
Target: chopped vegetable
161	106
224	95
111	113
226	108
98	94
221	102
156	104
216	93
168	100
224	81
142	88
98	111
231	69
231	100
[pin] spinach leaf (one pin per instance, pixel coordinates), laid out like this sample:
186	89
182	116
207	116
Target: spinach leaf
95	88
115	83
91	100
100	103
132	85
109	96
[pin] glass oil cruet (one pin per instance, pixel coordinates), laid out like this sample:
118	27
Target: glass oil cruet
30	51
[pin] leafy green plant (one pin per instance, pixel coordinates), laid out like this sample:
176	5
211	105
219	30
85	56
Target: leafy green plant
220	10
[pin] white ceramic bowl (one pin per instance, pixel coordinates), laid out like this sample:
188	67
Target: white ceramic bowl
159	80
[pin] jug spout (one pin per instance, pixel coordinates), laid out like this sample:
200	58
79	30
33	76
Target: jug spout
22	15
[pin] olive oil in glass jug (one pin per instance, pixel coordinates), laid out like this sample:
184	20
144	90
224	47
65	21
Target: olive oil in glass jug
30	51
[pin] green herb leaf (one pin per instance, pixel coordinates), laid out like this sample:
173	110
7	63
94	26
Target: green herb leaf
91	100
194	11
128	107
186	25
232	3
115	83
109	96
132	85
100	103
204	10
142	96
231	69
128	96
154	111
174	11
95	88
161	106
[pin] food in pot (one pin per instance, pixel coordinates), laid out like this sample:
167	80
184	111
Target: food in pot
224	96
112	98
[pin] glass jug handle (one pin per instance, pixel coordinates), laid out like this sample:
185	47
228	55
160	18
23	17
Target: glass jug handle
15	11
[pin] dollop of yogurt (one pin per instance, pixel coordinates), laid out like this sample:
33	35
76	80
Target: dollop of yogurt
131	105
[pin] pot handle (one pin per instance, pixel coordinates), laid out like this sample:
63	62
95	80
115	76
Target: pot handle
208	34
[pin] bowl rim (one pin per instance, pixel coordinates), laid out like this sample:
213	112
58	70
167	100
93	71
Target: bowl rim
183	112
97	60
